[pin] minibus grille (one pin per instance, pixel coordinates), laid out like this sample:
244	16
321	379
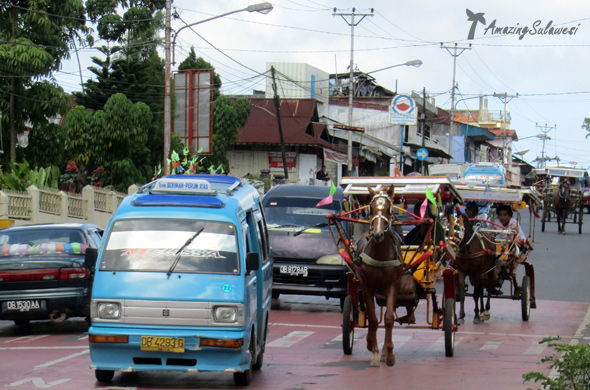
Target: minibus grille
175	313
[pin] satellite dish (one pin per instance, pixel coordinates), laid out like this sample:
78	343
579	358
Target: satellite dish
522	153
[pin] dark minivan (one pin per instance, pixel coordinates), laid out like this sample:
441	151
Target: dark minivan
306	259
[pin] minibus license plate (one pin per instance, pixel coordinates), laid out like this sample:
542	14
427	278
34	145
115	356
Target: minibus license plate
162	344
294	270
28	305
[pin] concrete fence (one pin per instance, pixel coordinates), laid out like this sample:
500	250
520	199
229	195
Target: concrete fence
35	205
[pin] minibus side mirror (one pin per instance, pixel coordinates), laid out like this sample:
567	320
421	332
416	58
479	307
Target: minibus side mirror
90	259
252	261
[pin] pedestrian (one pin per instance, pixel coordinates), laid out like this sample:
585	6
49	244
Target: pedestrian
322	174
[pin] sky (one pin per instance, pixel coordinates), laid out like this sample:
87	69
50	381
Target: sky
549	72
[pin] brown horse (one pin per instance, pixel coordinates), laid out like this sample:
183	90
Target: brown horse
562	202
476	258
379	266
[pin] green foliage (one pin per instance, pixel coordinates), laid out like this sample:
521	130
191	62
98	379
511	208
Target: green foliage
46	145
229	118
22	176
109	136
586	126
124	173
259	182
33	46
573	367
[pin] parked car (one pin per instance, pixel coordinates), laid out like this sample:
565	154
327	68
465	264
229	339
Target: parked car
587	198
42	272
485	173
306	260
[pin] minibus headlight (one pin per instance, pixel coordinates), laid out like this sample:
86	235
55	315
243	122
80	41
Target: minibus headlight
109	310
335	259
225	314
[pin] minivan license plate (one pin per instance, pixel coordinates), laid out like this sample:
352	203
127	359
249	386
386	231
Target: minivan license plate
162	344
294	270
23	306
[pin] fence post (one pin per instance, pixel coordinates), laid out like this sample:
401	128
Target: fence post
133	188
114	203
3	205
88	196
63	207
34	193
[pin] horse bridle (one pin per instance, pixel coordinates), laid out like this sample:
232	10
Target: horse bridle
381	198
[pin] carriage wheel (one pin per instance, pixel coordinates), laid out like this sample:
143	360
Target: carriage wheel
525	298
347	326
580	221
449	321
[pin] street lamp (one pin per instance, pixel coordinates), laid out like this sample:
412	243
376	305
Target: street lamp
263	8
414	63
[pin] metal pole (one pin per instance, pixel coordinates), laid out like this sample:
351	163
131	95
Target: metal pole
167	100
352	24
455	55
350	95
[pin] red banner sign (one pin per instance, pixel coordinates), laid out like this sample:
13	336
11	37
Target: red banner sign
275	161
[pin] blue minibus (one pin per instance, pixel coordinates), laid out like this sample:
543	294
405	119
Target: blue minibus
182	280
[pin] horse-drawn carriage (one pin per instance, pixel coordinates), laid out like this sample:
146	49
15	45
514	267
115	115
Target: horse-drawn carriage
390	269
492	248
563	196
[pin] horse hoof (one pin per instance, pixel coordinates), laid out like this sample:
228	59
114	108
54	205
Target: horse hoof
460	321
374	363
390	362
476	320
485	316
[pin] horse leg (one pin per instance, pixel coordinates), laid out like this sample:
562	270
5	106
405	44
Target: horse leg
387	354
372	332
486	313
461	297
476	295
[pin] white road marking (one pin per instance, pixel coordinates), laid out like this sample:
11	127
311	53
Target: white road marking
25	339
38	382
35	348
536	349
490	346
51	363
439	344
290	339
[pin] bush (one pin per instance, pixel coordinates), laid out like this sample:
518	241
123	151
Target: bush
573	367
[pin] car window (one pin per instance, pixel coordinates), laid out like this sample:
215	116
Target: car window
298	211
153	245
42	241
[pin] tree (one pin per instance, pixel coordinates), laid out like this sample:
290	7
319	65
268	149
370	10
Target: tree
586	126
114	138
131	65
36	37
230	116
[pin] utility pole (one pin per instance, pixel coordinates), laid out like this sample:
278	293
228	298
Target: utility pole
278	113
455	54
545	129
505	98
352	24
423	120
167	101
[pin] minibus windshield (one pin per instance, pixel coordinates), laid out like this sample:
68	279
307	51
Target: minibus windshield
152	245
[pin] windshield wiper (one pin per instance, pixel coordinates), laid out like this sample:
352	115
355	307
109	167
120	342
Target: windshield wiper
323	224
179	252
